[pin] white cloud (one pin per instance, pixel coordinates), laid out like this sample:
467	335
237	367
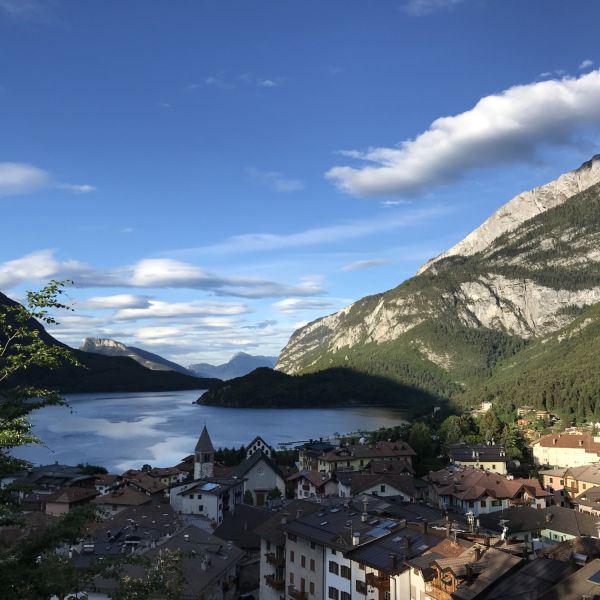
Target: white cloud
29	10
196	308
21	178
365	264
514	125
260	242
218	82
267	83
115	301
422	8
293	305
275	180
586	64
146	273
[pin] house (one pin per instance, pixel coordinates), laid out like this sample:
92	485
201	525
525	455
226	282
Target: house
211	497
547	526
167	475
259	445
470	575
120	499
272	548
588	501
471	490
383	484
566	450
395	467
582	584
313	484
357	457
142	482
238	528
553	480
489	457
308	454
260	476
579	550
104	482
65	499
580	479
209	567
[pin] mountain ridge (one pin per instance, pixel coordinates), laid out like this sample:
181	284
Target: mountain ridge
238	365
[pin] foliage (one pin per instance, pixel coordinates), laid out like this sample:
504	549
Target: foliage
88	469
248	498
274	493
230	457
285	458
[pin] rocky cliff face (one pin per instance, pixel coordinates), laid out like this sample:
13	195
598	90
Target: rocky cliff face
524	207
528	271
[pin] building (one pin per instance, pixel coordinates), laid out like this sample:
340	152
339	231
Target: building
104	482
553	479
314	484
120	499
489	457
357	457
261	477
580	479
204	456
544	526
351	484
308	454
211	497
588	501
566	450
272	550
141	481
259	445
584	584
65	499
471	490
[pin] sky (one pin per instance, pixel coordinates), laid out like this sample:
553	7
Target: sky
213	174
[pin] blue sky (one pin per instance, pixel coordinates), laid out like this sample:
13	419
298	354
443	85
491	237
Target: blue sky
214	174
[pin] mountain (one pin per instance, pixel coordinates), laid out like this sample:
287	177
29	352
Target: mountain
147	359
239	364
482	318
102	373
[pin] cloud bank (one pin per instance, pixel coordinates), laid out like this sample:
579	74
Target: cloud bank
513	125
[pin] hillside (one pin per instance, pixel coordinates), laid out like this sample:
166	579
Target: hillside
239	364
102	373
527	273
147	359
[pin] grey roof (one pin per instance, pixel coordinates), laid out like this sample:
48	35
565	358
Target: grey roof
405	543
577	585
270	529
556	518
204	443
208	485
535	578
253	460
481	452
239	527
553	472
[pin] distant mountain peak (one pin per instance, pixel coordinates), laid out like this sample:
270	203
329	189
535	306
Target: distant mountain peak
241	363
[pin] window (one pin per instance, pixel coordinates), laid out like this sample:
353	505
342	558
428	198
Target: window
312	545
382	488
345	572
361	567
200	507
302	584
562	482
496	503
361	587
311	588
292	537
333	552
199	496
493	467
483	504
333	593
303	561
345	596
268	545
291	578
291	556
471	504
334	567
312	564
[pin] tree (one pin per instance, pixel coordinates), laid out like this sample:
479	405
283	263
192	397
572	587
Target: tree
490	426
248	498
22	348
274	493
420	439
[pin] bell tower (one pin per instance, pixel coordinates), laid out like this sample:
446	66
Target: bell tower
204	456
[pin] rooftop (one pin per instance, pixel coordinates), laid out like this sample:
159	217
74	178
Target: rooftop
205	444
270	529
581	584
477	452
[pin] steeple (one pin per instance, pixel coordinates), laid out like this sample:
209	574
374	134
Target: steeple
204	456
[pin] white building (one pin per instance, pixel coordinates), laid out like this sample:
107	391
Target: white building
261	475
259	445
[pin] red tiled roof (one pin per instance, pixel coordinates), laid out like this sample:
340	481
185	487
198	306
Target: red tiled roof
69	495
570	440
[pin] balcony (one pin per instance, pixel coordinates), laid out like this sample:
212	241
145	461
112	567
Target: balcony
276	584
376	581
436	592
276	560
296	594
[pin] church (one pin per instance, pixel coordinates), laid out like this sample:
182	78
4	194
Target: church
206	495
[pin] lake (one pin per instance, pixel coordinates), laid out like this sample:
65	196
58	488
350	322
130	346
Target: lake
124	430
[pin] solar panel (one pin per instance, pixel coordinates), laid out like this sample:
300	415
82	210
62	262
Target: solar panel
207	487
595	578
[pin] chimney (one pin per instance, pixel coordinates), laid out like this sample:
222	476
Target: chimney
469	569
477	553
424	527
298	513
548	517
355	538
448	528
393	561
365	516
407	542
283	520
186	537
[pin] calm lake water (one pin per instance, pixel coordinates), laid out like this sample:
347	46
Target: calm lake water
122	431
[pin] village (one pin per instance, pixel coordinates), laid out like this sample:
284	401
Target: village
345	521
